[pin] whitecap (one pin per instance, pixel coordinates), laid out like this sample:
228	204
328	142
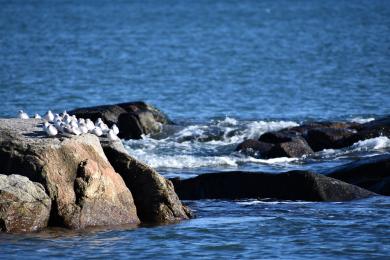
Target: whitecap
377	143
361	120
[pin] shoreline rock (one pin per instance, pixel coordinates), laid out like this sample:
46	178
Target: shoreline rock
312	137
84	188
371	173
133	118
293	185
24	205
154	195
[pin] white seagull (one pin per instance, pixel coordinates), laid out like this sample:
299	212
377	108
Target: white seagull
112	136
90	124
97	131
23	115
37	116
49	116
51	130
115	129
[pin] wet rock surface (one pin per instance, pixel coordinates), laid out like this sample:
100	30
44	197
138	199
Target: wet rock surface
24	205
154	195
294	185
314	136
371	173
133	118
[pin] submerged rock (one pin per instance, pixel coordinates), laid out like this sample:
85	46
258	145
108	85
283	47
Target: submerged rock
154	195
371	173
84	188
294	185
24	205
133	118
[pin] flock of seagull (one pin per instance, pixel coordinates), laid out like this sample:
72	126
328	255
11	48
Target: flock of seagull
69	125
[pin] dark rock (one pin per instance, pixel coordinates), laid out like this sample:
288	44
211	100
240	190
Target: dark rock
154	196
255	148
371	173
294	185
297	147
311	136
277	137
304	128
24	205
329	138
136	107
84	188
376	128
133	119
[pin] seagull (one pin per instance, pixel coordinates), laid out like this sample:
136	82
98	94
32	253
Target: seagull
64	113
97	131
49	116
98	122
83	128
51	130
90	124
66	119
115	129
58	124
23	115
74	124
76	130
112	136
81	121
67	130
104	127
45	125
57	117
37	116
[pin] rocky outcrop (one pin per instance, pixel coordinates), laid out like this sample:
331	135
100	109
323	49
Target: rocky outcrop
24	205
371	173
294	185
329	138
255	148
294	147
133	119
154	195
314	136
84	188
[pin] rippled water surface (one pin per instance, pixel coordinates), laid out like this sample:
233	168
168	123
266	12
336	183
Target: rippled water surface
224	71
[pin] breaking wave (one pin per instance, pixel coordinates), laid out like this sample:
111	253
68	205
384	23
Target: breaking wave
204	145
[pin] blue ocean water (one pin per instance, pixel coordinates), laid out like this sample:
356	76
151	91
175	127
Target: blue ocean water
223	71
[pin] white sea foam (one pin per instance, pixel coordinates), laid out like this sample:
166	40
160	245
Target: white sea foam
205	145
272	202
361	120
378	143
368	145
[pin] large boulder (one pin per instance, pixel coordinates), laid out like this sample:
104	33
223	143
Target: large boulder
84	188
133	118
154	195
329	138
371	173
255	148
294	185
287	147
24	205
